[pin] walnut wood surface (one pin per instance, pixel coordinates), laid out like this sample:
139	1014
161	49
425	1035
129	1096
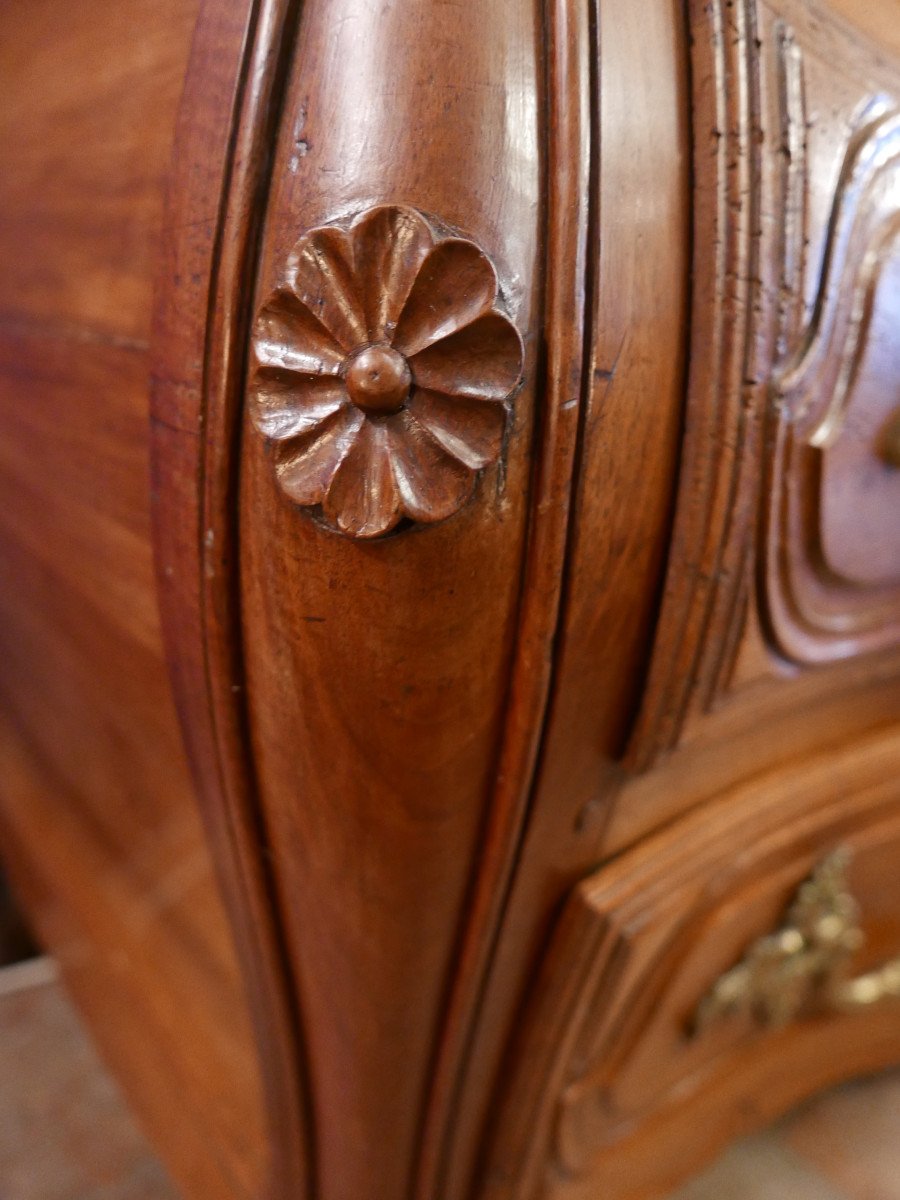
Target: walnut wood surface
526	563
99	824
382	368
220	163
399	651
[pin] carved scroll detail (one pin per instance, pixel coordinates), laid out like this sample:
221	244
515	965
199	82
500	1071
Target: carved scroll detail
382	370
815	383
767	502
815	612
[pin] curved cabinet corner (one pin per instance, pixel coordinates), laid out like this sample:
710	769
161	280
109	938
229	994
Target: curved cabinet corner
403	216
342	605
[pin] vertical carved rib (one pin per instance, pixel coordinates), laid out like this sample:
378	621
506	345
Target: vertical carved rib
568	82
707	577
378	666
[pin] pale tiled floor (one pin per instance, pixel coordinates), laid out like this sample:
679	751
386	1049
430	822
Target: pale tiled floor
842	1145
853	1137
65	1133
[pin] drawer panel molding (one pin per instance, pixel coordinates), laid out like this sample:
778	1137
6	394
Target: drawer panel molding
786	547
642	1047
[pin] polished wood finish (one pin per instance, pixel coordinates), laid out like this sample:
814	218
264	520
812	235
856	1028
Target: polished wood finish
382	365
219	165
524	512
99	823
379	895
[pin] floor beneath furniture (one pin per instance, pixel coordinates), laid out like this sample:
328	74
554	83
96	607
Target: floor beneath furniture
65	1133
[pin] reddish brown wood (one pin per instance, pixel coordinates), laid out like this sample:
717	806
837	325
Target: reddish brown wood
789	205
219	170
99	822
631	404
382	365
412	686
526	558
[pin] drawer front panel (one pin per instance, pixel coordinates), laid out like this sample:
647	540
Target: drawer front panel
688	995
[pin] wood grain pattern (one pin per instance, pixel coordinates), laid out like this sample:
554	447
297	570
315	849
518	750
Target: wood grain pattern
783	309
295	579
709	565
202	310
745	704
525	558
739	707
632	300
377	673
99	821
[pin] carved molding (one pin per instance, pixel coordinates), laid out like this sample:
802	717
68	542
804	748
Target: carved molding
619	1033
709	576
812	389
785	487
220	165
815	610
382	370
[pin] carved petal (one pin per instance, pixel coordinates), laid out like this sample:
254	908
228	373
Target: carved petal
285	404
363	499
483	360
288	335
432	485
455	285
309	465
389	246
470	430
321	274
385	282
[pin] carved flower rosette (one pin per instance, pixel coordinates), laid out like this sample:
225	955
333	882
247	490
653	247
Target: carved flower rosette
382	369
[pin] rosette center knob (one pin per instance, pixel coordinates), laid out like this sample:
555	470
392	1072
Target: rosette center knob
378	380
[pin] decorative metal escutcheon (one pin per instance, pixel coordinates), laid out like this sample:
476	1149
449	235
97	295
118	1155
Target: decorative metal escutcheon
382	370
803	966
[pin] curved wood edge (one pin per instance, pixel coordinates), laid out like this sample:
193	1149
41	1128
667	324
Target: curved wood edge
221	159
570	196
598	643
812	613
391	800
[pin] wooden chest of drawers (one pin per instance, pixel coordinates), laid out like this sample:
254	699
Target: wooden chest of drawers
450	596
